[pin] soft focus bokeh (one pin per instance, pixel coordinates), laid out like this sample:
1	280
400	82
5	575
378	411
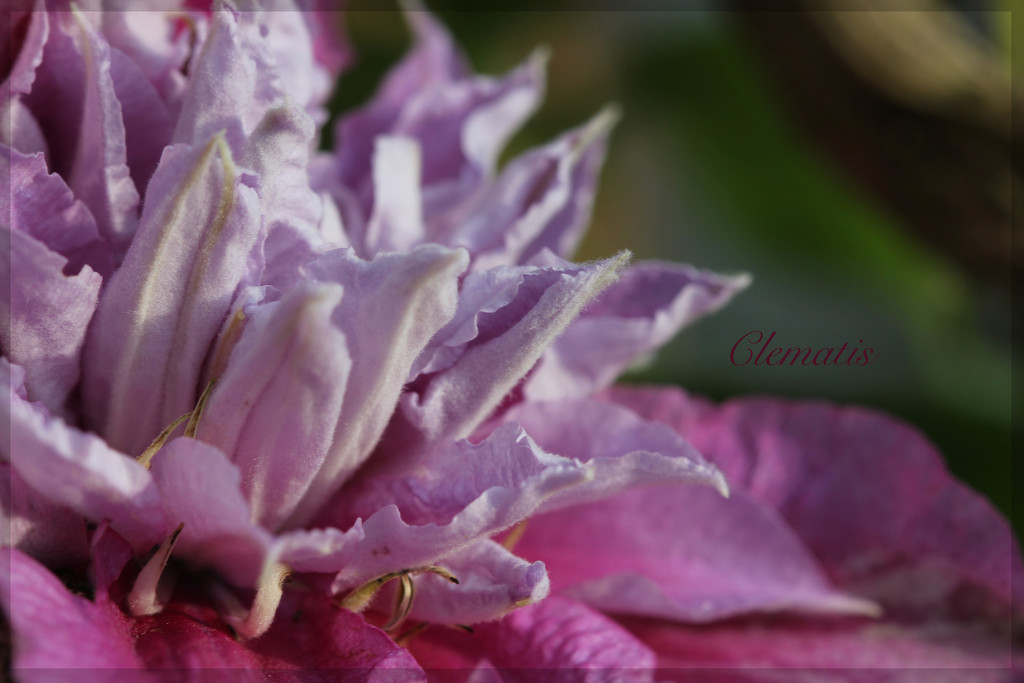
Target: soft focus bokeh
858	164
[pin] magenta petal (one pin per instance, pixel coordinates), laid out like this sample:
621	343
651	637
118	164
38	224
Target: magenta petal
752	650
55	630
75	103
275	409
202	489
562	640
162	309
389	310
867	494
43	329
79	470
492	583
328	643
648	306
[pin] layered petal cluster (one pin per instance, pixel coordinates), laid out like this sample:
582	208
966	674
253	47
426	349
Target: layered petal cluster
274	408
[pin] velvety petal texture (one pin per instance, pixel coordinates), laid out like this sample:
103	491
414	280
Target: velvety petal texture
160	312
44	316
283	412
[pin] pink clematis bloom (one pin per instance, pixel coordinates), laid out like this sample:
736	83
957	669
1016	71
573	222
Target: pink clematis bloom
229	360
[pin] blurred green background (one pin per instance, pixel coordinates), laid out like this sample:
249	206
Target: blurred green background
860	171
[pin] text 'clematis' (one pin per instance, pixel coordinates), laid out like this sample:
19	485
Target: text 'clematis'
278	409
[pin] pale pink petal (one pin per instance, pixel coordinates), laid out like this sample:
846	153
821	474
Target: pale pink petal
275	409
48	211
202	489
23	40
79	470
492	583
542	200
452	403
635	316
390	309
161	310
50	533
44	316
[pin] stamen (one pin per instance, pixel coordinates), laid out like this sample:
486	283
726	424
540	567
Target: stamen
264	605
403	602
144	598
197	412
146	458
360	598
226	343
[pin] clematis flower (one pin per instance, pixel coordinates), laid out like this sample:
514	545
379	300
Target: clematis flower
229	360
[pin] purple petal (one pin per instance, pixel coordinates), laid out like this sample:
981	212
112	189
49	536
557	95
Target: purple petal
492	583
390	309
201	488
450	404
20	129
50	533
278	151
31	25
44	328
397	220
74	101
457	494
79	470
649	304
161	310
432	63
867	494
53	630
562	640
147	121
635	553
231	82
275	410
542	200
48	211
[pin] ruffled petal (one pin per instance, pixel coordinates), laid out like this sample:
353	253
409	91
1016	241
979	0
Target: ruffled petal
459	494
492	583
635	316
75	102
43	330
452	403
391	307
162	309
542	200
48	211
79	470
